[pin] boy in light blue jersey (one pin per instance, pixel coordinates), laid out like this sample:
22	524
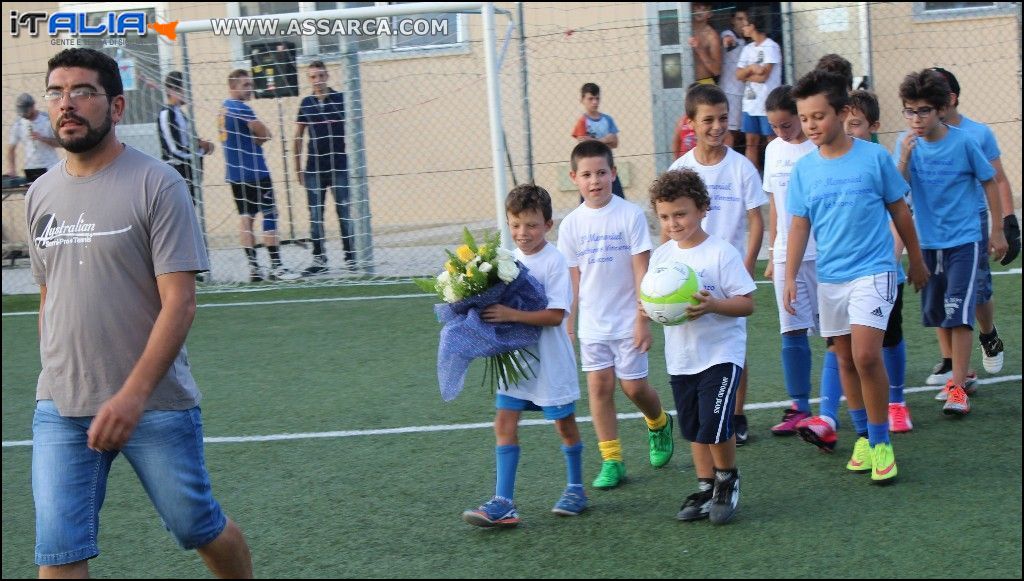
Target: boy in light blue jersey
943	165
988	336
863	122
843	192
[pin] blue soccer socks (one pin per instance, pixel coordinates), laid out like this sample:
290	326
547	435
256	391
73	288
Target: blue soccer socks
895	358
878	433
860	421
507	458
573	464
831	388
796	369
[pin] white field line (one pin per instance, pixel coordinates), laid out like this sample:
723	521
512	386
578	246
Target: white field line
489	425
382	297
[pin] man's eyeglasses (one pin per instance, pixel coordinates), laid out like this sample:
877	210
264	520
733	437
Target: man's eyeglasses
919	113
78	95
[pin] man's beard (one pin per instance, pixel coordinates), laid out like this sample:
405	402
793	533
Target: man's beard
90	140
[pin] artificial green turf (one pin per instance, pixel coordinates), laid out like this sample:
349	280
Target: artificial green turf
388	505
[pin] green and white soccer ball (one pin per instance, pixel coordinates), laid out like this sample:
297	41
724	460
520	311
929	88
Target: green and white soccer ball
667	290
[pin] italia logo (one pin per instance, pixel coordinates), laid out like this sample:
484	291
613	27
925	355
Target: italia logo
116	24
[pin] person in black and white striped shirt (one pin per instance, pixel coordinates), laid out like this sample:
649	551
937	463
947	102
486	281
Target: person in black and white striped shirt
176	133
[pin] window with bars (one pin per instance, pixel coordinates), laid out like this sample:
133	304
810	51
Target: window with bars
927	11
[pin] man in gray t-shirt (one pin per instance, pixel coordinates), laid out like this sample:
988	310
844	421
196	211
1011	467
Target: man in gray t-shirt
115	248
99	241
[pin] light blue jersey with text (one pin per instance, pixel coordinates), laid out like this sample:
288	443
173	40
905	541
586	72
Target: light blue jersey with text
944	178
845	200
986	140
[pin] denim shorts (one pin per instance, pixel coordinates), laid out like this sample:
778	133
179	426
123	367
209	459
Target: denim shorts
551	412
69	481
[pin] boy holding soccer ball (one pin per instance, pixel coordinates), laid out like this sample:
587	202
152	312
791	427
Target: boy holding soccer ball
705	355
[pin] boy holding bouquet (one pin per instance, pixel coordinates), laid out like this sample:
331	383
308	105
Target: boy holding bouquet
555	388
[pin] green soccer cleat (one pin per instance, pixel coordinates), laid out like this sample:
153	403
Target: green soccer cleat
860	461
661	444
613	473
883	462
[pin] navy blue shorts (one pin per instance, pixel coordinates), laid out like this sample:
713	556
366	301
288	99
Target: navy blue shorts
948	300
705	403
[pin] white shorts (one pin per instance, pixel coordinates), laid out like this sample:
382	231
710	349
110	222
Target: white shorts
628	361
806	304
866	301
735	111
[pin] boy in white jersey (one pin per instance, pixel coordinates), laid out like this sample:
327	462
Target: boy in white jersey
779	158
735	189
607	245
843	191
704	354
555	389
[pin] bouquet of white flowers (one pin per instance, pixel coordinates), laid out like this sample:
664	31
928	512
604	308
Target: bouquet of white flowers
475	277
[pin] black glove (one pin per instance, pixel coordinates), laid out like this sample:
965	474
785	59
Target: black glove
1011	230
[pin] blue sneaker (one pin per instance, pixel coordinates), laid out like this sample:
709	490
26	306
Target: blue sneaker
496	512
572	503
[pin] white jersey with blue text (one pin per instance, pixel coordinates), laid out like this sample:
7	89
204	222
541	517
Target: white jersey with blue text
735	187
601	242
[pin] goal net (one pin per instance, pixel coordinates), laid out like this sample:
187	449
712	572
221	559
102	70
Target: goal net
364	147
